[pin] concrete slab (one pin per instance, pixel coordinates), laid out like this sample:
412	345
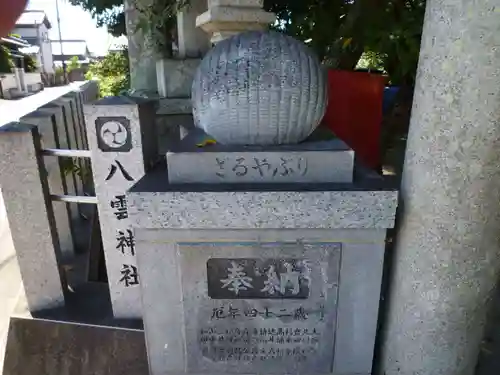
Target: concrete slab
48	347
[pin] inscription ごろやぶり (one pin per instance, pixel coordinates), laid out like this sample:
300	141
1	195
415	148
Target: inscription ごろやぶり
240	166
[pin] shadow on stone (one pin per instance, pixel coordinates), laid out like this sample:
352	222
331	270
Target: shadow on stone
489	356
88	303
44	347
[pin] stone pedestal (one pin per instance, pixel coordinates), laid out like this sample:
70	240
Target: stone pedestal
447	254
121	134
225	18
260	277
309	162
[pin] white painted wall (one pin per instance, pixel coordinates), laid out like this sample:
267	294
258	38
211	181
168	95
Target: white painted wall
31	79
39	61
42	35
25	32
46	50
8	82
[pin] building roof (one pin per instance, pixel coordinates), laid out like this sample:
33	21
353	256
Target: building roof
33	40
14	41
33	18
70	48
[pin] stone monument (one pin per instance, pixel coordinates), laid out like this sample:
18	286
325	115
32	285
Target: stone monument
261	258
121	135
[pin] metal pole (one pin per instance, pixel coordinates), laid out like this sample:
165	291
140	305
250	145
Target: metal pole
73	199
66	153
61	43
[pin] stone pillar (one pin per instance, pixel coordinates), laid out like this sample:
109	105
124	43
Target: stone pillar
50	121
69	102
447	251
122	141
72	135
30	215
77	117
225	18
175	75
142	59
192	41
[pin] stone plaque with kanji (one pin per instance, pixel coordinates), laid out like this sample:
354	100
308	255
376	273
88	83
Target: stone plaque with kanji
245	278
260	307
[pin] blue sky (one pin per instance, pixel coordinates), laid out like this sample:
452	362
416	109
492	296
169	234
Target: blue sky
75	24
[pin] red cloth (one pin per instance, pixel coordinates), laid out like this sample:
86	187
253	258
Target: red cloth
354	112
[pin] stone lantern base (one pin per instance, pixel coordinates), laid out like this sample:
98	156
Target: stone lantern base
225	18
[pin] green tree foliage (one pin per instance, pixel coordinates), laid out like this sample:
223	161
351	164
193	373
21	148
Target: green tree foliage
340	31
318	21
397	42
59	71
112	73
6	63
30	64
74	63
106	12
158	19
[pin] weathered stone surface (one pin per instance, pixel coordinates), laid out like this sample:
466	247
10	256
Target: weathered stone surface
50	122
88	91
263	209
489	360
171	129
176	260
66	140
225	18
218	36
192	42
237	3
251	333
142	57
121	133
447	255
312	162
259	88
77	115
174	106
175	77
44	347
30	215
234	14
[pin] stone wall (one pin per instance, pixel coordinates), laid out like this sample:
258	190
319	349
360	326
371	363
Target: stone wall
42	228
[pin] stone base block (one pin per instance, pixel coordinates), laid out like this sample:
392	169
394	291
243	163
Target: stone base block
175	77
221	15
175	106
310	162
45	347
236	3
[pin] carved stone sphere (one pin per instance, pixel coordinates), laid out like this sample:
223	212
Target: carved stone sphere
259	88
